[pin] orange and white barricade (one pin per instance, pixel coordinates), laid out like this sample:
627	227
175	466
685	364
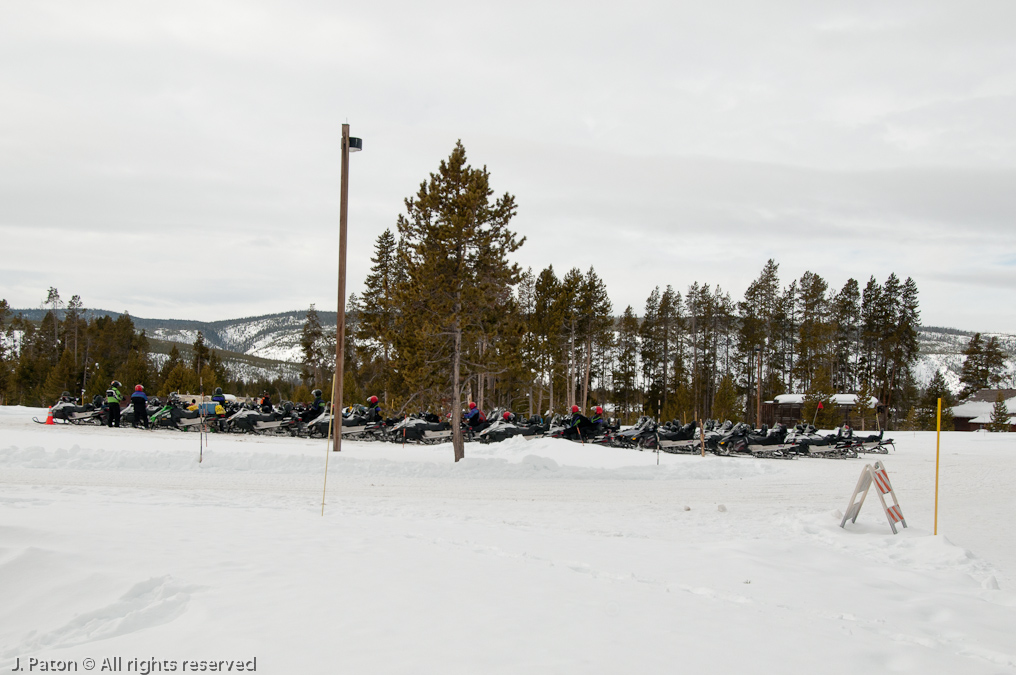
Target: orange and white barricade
874	473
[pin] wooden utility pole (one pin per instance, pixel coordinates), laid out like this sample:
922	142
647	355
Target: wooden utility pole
340	321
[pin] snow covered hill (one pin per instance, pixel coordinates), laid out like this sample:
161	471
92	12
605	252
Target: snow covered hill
942	350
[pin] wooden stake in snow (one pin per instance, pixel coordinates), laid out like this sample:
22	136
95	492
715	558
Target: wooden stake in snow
328	440
876	474
938	445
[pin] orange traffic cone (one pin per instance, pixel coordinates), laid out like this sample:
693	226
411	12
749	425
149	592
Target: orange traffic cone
49	417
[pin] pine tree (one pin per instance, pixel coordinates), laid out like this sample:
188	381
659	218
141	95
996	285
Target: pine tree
994	362
726	404
200	353
311	346
999	415
626	373
927	408
863	409
846	317
984	365
596	323
547	325
652	353
378	315
457	243
671	322
5	352
815	332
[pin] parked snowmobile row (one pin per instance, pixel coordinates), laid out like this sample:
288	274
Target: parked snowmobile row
357	423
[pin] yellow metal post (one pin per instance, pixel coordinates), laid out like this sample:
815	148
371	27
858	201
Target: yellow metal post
938	445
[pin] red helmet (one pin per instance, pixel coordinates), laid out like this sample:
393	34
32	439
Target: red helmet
574	408
471	405
599	410
372	400
507	414
138	387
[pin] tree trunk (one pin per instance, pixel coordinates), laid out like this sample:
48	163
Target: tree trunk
572	367
589	365
551	384
457	442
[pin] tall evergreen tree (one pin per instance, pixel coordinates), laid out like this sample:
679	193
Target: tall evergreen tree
626	374
596	323
378	319
984	365
927	408
312	347
200	353
999	415
457	243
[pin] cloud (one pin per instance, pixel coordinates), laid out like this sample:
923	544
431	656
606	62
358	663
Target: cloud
190	151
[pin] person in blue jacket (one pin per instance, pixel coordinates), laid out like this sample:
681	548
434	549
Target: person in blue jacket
218	397
475	417
140	402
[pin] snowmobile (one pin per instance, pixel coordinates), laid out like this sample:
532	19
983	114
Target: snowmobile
426	429
503	428
764	443
640	436
68	412
252	420
812	444
675	438
174	415
874	443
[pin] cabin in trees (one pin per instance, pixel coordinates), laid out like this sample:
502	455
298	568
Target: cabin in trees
975	413
787	409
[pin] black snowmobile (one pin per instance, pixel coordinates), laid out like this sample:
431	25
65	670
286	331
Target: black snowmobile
425	428
67	411
503	428
678	439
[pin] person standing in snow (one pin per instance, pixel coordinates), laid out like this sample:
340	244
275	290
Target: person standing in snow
140	401
113	399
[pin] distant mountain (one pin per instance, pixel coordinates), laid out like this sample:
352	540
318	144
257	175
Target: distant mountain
270	336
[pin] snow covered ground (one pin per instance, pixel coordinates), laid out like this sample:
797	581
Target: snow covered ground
541	557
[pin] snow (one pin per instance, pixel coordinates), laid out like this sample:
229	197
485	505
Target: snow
541	556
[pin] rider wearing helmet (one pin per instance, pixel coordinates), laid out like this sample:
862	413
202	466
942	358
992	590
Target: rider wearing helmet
218	397
140	402
596	420
113	399
578	424
475	417
373	410
315	409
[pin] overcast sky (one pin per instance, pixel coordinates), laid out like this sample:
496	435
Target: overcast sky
181	160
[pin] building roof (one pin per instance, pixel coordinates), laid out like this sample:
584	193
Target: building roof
989	395
975	409
986	419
